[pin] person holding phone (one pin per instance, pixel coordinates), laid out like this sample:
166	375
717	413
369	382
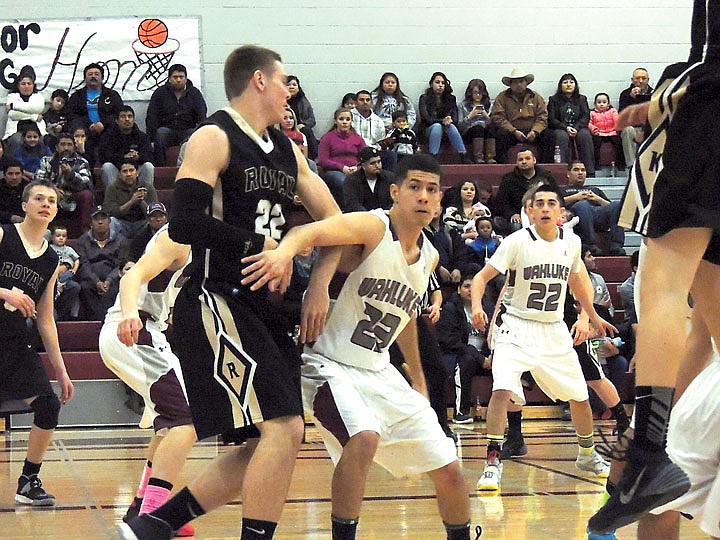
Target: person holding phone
475	126
127	200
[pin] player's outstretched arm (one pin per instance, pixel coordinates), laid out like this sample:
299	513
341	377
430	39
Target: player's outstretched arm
48	333
165	254
634	115
359	228
479	282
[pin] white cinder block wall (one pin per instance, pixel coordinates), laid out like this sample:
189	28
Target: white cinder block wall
338	46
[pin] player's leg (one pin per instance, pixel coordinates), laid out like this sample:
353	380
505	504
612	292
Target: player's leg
453	500
46	412
587	459
134	508
607	392
348	483
665	526
496	415
514	444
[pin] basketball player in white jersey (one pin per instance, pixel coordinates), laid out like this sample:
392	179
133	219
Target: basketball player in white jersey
134	347
362	405
530	334
672	198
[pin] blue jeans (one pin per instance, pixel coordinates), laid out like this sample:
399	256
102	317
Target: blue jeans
434	134
335	181
598	218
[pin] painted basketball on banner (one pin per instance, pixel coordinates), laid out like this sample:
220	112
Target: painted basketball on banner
152	33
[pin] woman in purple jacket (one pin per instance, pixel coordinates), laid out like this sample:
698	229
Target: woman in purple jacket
338	151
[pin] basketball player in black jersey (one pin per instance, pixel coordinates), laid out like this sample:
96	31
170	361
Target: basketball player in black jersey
28	271
240	365
682	224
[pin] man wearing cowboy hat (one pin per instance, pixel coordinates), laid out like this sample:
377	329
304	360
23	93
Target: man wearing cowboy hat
519	113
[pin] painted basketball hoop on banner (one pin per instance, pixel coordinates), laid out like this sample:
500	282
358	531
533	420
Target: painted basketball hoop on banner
155	49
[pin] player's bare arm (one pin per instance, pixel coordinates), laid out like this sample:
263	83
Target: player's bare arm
165	255
48	333
480	281
634	115
358	228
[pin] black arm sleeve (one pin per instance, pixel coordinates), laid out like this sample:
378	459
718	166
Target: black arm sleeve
190	223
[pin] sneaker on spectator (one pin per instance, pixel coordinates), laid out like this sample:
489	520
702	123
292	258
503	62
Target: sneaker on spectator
462	418
593	462
649	480
514	446
146	527
492	474
31	492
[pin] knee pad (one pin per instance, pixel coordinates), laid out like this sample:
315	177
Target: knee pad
47	411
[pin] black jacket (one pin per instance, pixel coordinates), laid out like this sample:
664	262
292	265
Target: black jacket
566	111
453	329
166	110
114	144
357	196
508	200
108	107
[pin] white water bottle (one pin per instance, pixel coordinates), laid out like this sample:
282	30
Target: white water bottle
556	155
613	169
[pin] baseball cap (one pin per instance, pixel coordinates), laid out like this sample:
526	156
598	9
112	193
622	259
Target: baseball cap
156	207
98	210
367	153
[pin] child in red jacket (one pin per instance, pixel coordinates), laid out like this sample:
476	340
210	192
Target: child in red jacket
602	128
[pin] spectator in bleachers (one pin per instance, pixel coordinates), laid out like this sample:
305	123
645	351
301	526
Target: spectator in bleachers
388	98
11	189
174	111
519	114
438	114
338	151
568	118
369	186
455	257
79	134
349	100
95	107
462	346
67	290
371	128
23	102
507	203
157	216
127	199
627	292
122	141
71	174
475	125
289	127
32	149
596	211
56	121
638	92
463	205
304	114
402	139
101	253
602	128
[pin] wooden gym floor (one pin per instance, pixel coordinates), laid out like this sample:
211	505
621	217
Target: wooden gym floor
93	474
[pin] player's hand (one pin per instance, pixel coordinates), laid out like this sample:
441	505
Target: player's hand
420	386
129	330
455	276
603	328
580	332
67	390
433	313
272	267
634	115
479	319
314	310
20	301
